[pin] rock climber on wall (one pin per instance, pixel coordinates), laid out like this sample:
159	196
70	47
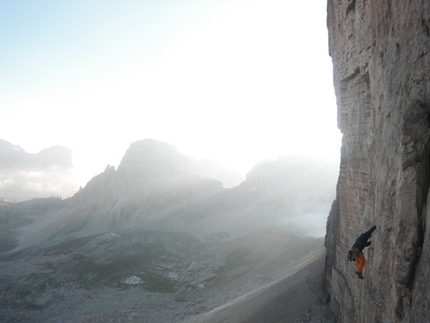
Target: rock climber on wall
356	252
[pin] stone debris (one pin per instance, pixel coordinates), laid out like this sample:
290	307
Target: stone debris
133	280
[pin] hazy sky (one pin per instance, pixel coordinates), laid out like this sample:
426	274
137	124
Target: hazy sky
240	81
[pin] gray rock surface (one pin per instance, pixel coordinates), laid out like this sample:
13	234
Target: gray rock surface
381	61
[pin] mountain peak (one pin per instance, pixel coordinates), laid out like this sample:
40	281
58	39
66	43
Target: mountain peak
152	159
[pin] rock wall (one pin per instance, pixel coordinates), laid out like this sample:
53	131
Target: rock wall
381	65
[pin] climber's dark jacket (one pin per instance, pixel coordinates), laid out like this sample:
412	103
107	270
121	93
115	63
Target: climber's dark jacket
361	241
356	252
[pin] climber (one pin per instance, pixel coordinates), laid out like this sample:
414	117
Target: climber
356	252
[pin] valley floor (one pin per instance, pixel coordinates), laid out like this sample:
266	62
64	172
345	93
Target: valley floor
294	295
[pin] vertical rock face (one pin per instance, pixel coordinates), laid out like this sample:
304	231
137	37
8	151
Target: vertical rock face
381	62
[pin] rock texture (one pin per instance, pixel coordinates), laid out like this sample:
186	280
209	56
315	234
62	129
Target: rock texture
381	61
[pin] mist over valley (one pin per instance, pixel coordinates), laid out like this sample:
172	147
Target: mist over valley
153	217
221	217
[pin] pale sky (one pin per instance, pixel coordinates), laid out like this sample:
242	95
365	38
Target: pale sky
239	81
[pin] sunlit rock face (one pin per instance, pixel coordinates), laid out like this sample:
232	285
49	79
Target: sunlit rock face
381	60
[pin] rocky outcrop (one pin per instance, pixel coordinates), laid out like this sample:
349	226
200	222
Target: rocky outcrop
381	63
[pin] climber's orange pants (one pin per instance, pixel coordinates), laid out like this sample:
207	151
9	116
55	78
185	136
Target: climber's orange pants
360	261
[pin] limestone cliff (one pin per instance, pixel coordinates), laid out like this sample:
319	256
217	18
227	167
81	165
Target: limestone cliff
381	64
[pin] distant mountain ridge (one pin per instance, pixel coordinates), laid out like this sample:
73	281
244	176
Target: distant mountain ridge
13	157
24	176
50	172
155	188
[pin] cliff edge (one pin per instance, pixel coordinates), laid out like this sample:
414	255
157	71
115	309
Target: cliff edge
381	65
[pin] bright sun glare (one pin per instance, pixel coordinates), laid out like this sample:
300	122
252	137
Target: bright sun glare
238	81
